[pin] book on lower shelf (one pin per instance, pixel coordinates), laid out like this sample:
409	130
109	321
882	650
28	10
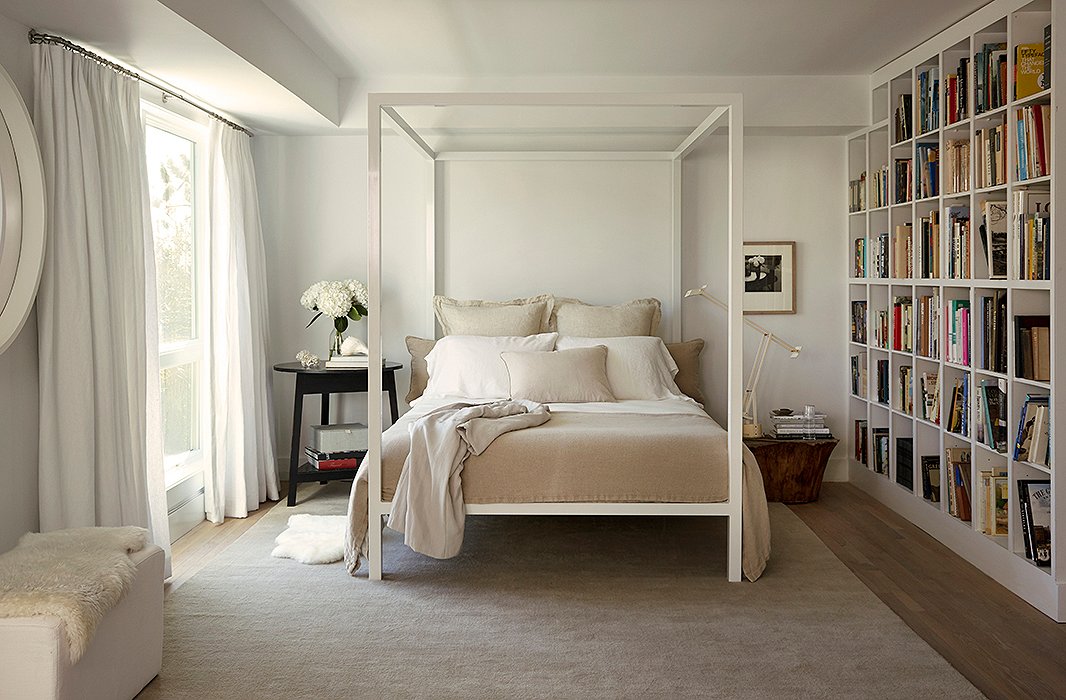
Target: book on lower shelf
1033	439
861	447
930	465
1032	234
930	397
993	231
992	422
858	375
958	253
929	246
993	319
858	321
958	331
1034	506
905	462
992	497
958	461
958	417
327	461
879	446
1032	347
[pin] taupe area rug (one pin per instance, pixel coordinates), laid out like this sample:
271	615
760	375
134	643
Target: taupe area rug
543	607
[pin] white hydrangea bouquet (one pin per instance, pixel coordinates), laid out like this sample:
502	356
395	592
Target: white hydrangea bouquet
341	300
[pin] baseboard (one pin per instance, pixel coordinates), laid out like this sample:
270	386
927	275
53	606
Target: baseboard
837	469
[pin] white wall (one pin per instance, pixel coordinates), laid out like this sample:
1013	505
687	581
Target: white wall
314	211
18	364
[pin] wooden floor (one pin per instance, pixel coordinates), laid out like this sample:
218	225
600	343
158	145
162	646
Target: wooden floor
1004	646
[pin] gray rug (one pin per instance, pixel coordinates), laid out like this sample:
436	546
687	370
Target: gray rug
543	607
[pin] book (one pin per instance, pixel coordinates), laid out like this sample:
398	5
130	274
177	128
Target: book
958	459
930	404
994	415
884	382
905	395
1032	347
904	171
1045	78
902	253
879	444
958	254
861	450
993	232
1031	226
1028	69
1023	441
903	119
858	321
991	495
1034	502
326	461
993	331
931	478
905	462
927	161
858	375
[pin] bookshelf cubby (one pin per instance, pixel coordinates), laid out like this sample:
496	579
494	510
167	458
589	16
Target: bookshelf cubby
953	281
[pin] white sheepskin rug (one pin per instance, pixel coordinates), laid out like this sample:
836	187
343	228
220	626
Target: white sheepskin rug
77	575
312	539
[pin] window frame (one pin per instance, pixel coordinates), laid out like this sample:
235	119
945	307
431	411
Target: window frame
173	354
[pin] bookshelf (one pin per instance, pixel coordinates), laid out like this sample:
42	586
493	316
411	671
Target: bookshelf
955	286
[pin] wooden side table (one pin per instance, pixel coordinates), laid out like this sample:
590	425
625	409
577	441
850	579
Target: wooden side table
325	382
792	470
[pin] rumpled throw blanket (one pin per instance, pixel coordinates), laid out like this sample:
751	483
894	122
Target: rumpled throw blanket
77	575
428	506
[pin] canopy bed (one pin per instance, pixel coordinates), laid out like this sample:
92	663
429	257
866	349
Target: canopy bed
641	487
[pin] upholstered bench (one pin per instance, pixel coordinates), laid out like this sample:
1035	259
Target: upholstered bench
124	655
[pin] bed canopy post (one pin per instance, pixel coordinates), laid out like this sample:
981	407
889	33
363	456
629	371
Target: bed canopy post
735	300
374	414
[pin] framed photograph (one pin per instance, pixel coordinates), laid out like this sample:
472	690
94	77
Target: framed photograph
770	277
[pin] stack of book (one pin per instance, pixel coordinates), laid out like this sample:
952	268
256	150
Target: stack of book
958	322
958	242
928	100
879	443
858	321
879	188
929	325
879	257
959	410
956	87
905	462
990	85
860	258
991	145
930	390
1032	231
992	426
993	232
904	180
884	383
880	325
858	376
905	397
994	331
902	324
860	442
903	119
324	461
928	158
798	426
348	362
993	492
957	166
903	253
929	248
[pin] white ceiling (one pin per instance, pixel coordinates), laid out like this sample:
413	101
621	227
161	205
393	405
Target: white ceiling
305	65
361	38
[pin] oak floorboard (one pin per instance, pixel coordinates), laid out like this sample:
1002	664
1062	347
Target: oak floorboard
1003	645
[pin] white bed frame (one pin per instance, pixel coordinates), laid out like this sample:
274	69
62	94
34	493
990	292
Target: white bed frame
725	110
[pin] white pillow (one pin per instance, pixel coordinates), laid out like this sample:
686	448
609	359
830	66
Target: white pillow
638	367
469	366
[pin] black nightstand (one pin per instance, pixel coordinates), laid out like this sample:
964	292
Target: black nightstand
325	382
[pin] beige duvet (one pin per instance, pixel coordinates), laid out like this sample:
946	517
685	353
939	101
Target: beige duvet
626	452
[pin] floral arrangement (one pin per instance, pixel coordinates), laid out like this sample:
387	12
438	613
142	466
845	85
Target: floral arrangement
341	300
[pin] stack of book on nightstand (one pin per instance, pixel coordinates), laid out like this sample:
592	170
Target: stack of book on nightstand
797	426
324	461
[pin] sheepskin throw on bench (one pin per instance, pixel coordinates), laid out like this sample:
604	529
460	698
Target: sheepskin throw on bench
77	575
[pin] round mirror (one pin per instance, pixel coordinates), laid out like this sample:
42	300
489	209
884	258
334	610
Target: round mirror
22	232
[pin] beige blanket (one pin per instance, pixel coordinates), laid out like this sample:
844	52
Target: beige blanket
605	457
76	575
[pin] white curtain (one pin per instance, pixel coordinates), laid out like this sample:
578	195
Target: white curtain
244	473
96	306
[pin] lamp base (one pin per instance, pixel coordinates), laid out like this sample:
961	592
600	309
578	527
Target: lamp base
752	430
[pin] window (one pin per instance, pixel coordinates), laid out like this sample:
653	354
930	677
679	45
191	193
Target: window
177	192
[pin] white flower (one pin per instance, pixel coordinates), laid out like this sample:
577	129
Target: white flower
334	299
359	292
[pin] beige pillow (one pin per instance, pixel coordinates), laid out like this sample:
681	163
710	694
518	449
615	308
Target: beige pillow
687	358
419	348
574	317
565	376
517	317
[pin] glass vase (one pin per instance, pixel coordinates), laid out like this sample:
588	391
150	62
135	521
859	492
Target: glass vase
336	338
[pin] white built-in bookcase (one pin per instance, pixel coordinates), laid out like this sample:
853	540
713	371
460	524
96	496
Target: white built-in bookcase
1003	557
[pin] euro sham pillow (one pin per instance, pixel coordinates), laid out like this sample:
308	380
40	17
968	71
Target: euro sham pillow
576	318
469	366
419	348
638	367
517	317
566	376
689	379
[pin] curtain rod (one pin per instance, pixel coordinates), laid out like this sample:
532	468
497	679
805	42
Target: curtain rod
39	38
